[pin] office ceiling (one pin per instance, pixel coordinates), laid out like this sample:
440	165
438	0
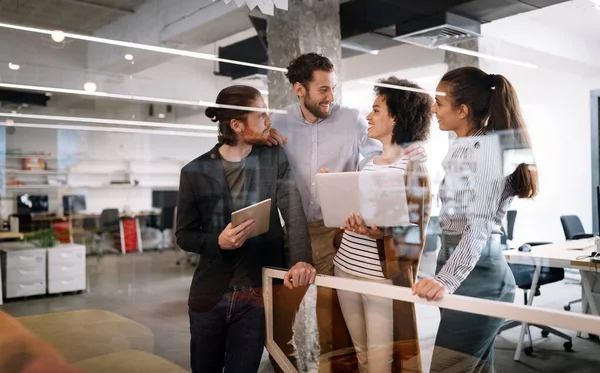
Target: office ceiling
80	16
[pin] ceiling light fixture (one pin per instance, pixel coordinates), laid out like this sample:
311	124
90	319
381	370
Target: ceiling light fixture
487	56
131	45
115	129
136	98
129	57
13	66
161	115
359	48
121	122
401	87
90	87
58	36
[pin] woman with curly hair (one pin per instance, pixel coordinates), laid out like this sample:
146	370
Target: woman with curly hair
400	120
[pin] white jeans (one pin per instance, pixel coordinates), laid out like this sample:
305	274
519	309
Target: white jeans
371	326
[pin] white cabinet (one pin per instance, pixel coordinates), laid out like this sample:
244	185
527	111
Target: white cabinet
27	270
23	270
66	268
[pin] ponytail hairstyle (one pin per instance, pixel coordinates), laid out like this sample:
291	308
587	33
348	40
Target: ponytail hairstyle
235	95
494	106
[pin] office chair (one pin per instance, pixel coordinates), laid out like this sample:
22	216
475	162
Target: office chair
166	225
573	231
523	278
511	217
110	227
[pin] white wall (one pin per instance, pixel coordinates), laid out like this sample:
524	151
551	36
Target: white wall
557	112
155	160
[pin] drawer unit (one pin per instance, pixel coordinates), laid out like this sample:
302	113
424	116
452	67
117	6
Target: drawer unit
23	270
14	289
66	268
65	284
70	254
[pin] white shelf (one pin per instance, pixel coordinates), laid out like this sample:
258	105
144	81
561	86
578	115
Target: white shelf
124	173
35	172
33	186
90	159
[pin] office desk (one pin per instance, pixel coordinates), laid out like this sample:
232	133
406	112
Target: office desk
10	236
561	255
93	216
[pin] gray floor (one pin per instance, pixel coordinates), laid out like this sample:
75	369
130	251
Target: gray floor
152	290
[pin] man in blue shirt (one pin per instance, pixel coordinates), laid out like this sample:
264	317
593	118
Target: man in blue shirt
319	135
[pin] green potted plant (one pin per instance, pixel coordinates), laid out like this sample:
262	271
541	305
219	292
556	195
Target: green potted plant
46	238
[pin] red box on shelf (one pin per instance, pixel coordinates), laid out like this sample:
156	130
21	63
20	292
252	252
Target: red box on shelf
34	164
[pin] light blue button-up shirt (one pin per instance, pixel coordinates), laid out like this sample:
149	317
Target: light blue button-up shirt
333	143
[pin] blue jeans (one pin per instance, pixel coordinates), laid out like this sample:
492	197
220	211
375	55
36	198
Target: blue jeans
231	335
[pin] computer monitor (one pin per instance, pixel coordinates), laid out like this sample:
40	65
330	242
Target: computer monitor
164	198
28	203
73	203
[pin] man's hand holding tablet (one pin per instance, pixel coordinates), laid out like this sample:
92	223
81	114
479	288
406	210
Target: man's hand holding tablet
233	238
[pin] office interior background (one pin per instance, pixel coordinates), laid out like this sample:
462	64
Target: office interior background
102	103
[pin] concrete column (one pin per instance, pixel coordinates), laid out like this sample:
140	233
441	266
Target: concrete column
307	26
456	60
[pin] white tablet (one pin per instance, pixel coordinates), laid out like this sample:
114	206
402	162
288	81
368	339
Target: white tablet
260	212
379	196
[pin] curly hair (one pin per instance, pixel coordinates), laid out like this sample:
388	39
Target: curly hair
300	70
410	110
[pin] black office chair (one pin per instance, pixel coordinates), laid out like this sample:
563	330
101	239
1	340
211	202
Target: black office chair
167	218
110	226
573	231
507	235
523	277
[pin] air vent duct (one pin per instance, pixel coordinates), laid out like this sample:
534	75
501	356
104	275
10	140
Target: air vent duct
432	32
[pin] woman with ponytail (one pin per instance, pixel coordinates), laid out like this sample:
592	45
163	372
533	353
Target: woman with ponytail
479	108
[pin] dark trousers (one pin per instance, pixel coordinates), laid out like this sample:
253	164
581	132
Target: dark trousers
231	335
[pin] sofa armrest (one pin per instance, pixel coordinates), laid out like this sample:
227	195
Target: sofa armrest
84	334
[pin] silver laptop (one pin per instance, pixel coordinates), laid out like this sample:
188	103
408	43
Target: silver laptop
380	197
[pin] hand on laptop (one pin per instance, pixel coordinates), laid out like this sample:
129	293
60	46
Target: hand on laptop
301	274
233	238
356	224
276	138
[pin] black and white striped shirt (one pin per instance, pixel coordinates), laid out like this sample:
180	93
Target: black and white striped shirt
475	196
358	254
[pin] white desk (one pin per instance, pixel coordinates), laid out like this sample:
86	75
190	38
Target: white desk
561	255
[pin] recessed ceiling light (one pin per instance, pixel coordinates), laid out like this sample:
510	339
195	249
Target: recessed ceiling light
89	87
129	57
115	129
13	66
119	122
487	56
161	115
58	36
135	97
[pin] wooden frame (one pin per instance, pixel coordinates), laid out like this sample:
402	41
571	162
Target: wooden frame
526	314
